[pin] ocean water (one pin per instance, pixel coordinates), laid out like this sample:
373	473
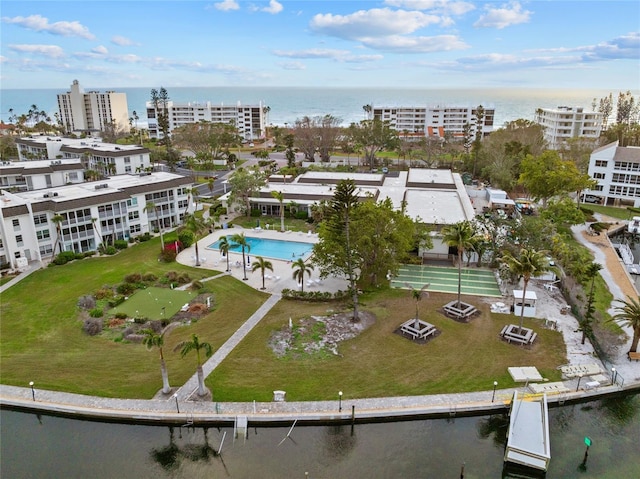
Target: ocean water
289	104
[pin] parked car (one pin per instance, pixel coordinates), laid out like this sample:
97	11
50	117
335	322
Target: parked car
592	199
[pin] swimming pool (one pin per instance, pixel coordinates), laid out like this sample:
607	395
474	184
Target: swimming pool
270	248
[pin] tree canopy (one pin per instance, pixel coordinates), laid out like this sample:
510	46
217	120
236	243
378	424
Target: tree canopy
244	183
209	141
373	136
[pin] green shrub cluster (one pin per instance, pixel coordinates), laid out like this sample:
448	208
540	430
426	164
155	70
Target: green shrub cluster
96	313
116	301
120	244
144	237
186	237
314	296
168	256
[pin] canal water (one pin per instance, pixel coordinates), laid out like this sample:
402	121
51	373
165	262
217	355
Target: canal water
41	446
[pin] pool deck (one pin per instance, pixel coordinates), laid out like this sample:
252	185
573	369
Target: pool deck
282	275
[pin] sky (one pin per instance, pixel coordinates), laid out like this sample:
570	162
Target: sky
328	43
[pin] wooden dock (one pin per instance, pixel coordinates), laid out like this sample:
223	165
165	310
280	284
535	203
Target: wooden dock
528	436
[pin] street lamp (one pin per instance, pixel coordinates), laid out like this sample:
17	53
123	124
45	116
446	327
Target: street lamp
339	401
175	396
579	378
33	391
495	385
614	375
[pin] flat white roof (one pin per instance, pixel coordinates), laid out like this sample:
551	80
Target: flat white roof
42	163
340	175
86	190
438	207
517	293
425	175
524	374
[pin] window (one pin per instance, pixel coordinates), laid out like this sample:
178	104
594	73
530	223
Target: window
132	201
134	229
134	215
598	176
43	235
40	219
73	176
46	250
16	225
127	160
127	169
601	163
19	240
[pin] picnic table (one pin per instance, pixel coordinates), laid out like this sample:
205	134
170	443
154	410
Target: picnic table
511	333
418	329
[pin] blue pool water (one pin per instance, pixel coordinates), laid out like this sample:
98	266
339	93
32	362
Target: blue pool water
269	248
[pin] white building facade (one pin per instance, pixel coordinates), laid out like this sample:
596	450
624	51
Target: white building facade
39	174
104	158
91	214
93	111
617	171
248	119
437	120
563	123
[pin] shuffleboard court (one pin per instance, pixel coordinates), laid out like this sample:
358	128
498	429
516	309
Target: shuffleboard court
474	281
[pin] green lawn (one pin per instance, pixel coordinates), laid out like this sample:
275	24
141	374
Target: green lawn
377	363
41	340
41	337
620	213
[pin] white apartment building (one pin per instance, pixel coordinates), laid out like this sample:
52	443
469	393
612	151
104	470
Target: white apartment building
92	213
617	171
105	158
562	123
435	120
91	112
249	119
39	174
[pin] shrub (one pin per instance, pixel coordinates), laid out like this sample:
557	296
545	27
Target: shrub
301	215
256	212
103	293
87	302
64	257
133	278
118	300
121	315
92	326
171	276
120	244
183	278
186	238
196	285
149	278
168	255
125	289
96	313
78	256
110	250
140	320
115	322
144	237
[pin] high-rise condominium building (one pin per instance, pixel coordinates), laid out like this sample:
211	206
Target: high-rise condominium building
249	119
437	120
562	123
92	112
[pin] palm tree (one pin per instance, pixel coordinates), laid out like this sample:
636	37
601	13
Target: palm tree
629	315
57	219
93	225
194	224
417	294
367	110
278	195
241	240
186	347
529	263
149	207
224	246
460	236
591	272
211	183
152	339
261	264
300	268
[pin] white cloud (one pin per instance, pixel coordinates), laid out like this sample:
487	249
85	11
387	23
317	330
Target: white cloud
273	8
444	6
292	65
507	15
100	50
378	22
320	53
122	41
39	23
51	51
420	44
227	5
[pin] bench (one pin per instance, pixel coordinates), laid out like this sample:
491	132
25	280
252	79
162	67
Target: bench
533	338
504	330
633	356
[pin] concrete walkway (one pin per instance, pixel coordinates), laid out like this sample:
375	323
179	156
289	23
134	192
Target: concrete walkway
189	388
